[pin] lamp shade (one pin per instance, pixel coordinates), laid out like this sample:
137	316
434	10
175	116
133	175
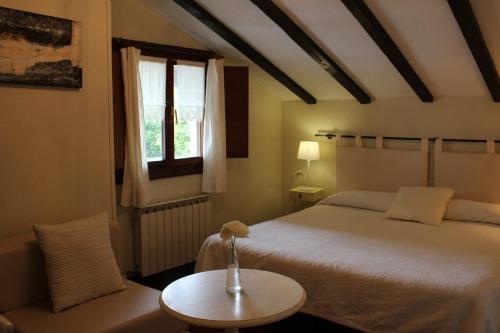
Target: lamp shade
308	150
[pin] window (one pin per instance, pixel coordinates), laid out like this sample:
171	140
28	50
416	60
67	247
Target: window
153	72
173	92
175	76
189	103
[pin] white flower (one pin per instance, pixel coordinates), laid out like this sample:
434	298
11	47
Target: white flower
234	229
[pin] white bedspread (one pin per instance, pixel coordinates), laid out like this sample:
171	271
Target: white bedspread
376	274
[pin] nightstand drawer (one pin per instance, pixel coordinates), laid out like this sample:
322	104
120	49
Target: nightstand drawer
309	194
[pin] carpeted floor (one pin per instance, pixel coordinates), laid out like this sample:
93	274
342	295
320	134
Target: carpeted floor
298	323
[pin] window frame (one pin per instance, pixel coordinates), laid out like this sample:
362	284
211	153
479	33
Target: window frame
170	167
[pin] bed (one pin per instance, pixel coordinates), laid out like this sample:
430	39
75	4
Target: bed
375	274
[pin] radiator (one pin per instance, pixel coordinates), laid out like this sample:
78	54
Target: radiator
171	234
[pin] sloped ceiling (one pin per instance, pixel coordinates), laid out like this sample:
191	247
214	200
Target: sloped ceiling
425	31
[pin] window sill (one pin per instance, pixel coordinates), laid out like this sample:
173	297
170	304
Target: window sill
159	169
182	167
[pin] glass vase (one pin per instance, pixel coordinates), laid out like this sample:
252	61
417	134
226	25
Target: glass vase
233	284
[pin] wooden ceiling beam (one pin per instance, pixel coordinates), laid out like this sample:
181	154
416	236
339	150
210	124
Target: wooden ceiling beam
311	48
372	26
471	31
229	36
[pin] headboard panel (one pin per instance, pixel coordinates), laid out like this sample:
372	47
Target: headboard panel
474	176
379	169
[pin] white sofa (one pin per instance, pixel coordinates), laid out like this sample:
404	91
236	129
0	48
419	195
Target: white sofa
25	304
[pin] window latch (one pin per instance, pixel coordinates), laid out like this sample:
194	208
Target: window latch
176	119
172	115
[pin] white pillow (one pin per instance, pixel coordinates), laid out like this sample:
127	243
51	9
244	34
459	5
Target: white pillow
79	260
379	201
474	211
421	204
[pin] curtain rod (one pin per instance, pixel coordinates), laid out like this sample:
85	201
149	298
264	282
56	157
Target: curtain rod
331	136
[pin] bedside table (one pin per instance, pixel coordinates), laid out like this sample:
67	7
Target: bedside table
301	196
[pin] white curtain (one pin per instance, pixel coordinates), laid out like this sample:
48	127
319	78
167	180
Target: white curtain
214	130
189	90
153	73
136	177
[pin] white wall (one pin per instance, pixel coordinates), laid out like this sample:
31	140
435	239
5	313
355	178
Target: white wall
452	117
55	156
254	184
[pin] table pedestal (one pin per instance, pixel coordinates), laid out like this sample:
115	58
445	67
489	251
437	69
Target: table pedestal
231	330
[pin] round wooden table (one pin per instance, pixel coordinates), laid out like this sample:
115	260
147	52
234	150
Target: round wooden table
201	299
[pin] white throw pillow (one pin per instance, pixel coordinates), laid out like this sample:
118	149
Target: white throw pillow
79	260
421	204
379	201
474	211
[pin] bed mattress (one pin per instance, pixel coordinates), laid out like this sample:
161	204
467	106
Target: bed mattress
375	274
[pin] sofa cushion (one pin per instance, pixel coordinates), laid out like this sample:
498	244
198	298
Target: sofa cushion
79	260
24	281
135	309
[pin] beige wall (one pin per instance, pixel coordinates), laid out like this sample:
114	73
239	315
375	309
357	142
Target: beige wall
55	157
254	184
458	117
132	19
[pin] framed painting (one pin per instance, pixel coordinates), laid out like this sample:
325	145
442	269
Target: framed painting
39	50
